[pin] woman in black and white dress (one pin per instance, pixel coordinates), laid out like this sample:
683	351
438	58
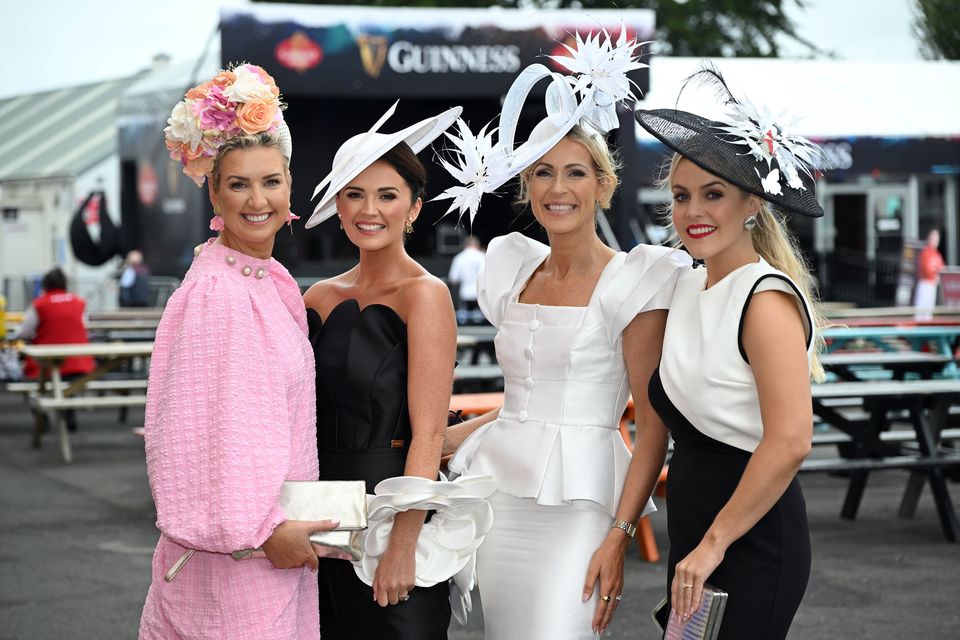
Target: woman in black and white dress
738	355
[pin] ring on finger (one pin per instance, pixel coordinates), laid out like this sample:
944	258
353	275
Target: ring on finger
688	586
404	597
619	597
605	598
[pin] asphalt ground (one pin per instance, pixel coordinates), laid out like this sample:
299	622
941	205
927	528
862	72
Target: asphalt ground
76	542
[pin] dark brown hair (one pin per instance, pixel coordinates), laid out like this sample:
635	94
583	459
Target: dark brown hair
408	165
54	279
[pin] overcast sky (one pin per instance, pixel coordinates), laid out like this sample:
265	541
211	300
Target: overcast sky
46	44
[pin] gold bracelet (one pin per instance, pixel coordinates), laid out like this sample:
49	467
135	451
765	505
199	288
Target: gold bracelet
626	527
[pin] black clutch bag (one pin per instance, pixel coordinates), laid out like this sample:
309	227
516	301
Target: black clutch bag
704	624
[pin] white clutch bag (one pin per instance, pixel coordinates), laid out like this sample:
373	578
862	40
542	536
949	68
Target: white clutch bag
345	501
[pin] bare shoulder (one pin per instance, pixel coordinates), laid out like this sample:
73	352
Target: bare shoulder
425	288
773	308
772	322
427	299
325	294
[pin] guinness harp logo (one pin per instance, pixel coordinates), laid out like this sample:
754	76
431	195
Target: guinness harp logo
373	53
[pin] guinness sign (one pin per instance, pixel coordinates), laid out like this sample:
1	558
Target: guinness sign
406	57
409	52
373	53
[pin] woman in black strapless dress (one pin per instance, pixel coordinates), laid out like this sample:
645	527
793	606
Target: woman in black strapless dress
384	337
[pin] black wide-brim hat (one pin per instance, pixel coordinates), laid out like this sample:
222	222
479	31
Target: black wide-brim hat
705	143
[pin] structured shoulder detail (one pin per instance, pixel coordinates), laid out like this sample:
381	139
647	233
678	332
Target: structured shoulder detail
503	265
645	282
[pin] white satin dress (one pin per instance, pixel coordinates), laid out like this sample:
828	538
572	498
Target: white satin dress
555	451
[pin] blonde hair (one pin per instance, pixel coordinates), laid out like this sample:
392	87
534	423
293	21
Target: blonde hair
605	163
250	141
775	243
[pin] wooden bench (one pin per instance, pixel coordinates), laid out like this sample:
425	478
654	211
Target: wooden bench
131	384
45	403
900	435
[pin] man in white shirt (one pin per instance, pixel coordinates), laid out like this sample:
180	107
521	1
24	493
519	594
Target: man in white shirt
464	271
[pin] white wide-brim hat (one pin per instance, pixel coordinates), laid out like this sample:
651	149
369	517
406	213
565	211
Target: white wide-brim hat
362	150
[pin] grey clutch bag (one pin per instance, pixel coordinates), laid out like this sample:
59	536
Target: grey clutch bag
345	501
704	624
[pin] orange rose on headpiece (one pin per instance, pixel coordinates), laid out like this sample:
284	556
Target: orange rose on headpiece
198	169
256	116
223	79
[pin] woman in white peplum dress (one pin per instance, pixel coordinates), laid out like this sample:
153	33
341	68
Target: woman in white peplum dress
580	327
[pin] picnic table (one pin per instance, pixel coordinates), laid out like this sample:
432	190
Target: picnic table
943	336
54	395
852	366
927	403
940	339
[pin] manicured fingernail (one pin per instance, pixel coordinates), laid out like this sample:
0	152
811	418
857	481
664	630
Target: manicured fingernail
586	597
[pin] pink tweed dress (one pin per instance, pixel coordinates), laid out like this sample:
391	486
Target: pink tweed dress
231	414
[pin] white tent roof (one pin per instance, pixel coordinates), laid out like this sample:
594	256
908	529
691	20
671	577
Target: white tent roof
838	99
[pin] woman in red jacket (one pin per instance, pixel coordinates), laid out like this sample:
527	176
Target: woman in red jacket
57	317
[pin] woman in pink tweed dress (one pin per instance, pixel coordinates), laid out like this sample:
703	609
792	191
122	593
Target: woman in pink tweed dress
231	404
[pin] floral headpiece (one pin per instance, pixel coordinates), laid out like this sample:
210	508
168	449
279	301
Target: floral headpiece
240	101
587	98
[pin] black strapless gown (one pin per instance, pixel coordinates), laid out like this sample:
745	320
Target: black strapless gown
766	570
363	433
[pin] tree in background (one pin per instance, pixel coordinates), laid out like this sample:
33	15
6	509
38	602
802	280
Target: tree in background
937	26
708	28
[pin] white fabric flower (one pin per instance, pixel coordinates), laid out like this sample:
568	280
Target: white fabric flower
600	69
474	161
184	127
447	544
247	86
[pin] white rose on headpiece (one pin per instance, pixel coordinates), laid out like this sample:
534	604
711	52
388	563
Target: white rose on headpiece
247	87
184	126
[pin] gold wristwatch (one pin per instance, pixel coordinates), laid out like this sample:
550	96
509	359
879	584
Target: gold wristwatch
626	527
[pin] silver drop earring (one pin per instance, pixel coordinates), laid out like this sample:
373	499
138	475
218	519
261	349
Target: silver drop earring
750	223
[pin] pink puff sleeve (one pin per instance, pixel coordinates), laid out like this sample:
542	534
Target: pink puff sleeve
218	437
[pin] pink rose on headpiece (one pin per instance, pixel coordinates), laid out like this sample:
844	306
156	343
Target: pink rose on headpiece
256	116
214	110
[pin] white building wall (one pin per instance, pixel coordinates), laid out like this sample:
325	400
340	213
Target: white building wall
37	236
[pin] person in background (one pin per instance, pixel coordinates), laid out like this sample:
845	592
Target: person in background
464	270
929	266
57	317
134	281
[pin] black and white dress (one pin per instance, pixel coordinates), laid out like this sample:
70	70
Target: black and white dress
706	394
